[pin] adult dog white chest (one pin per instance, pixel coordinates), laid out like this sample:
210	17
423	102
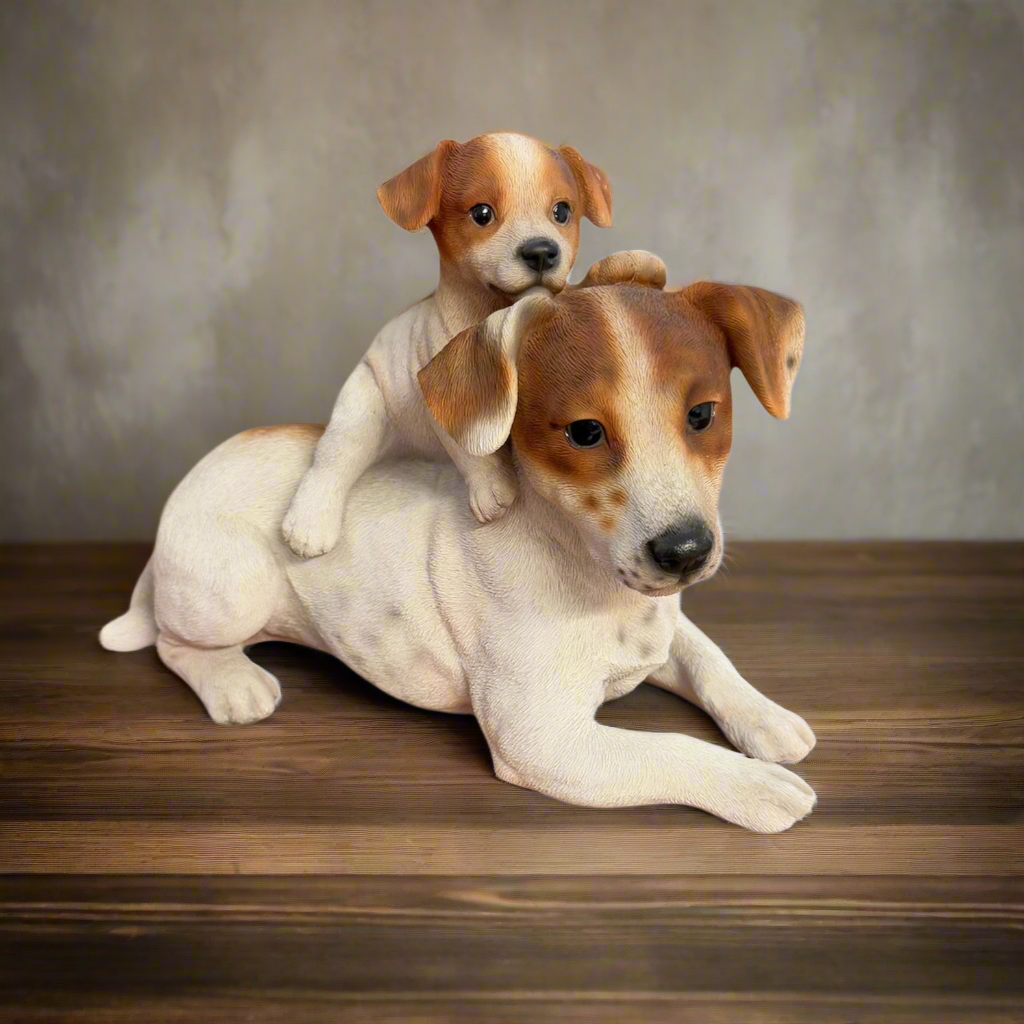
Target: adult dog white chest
615	403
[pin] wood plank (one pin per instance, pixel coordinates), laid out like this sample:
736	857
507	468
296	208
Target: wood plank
696	944
515	1008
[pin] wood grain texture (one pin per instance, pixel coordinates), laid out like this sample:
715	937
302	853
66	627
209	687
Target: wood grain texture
355	859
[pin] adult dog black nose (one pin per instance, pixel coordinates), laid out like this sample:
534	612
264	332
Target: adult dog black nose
683	549
539	254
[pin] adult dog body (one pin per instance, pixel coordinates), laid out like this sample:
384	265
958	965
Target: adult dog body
531	623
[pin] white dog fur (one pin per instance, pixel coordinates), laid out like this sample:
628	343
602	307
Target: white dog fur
380	412
534	621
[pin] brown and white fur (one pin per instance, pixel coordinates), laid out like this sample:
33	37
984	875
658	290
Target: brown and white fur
531	623
380	410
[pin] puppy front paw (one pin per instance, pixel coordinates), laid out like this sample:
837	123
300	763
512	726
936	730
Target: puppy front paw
491	492
767	731
313	523
632	266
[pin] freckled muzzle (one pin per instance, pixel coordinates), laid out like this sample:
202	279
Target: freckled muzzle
684	554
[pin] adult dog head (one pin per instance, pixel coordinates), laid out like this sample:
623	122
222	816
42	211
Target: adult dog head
617	403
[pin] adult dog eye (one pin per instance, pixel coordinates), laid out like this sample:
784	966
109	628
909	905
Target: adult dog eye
561	213
482	214
699	418
585	434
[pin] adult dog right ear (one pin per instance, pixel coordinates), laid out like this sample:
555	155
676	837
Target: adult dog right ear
471	385
764	333
412	199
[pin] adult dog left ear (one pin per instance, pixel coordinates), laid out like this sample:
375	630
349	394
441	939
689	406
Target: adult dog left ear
764	332
471	385
595	191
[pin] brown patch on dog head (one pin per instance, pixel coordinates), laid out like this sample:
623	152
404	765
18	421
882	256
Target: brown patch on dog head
607	523
619	497
591	501
569	371
764	333
689	365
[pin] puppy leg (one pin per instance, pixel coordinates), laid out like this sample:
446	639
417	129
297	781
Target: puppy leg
698	671
491	479
234	690
561	751
352	442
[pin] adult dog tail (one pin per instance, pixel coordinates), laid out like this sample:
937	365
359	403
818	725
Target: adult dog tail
137	627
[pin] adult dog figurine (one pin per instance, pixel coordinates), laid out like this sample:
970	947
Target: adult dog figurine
616	405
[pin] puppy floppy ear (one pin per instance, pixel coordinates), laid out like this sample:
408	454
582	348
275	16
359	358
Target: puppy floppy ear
764	332
412	199
595	191
471	385
632	266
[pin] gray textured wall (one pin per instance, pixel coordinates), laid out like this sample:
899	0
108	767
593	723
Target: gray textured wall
190	243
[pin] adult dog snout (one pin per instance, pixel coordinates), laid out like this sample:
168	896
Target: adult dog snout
683	549
539	254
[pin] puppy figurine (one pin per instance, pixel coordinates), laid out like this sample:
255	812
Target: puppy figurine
505	211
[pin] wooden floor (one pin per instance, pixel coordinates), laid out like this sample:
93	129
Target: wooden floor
354	859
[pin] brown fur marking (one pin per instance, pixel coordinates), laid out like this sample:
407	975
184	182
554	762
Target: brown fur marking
569	371
298	431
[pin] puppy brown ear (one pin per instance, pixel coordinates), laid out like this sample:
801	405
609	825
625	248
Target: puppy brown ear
632	266
412	199
593	185
764	332
471	386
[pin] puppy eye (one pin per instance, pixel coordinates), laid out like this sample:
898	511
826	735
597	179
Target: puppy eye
561	213
585	434
482	214
699	418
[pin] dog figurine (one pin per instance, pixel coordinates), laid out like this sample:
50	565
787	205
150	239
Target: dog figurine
505	212
616	401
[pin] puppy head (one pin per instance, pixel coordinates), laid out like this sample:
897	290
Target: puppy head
505	209
617	400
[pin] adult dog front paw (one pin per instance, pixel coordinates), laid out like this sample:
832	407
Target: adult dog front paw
762	797
767	731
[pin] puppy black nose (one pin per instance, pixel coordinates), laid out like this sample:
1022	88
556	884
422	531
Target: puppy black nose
539	254
683	549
